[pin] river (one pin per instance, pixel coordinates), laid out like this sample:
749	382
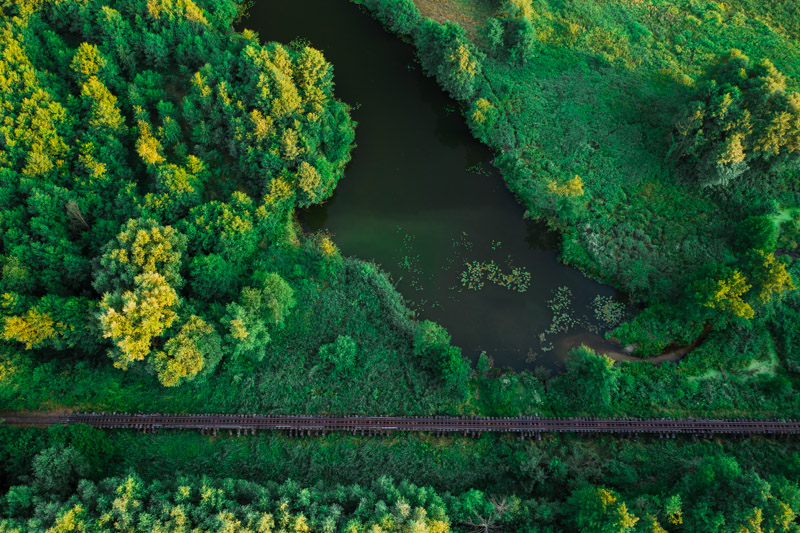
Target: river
421	199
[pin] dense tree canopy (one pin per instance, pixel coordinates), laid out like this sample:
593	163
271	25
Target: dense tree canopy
745	118
148	156
150	163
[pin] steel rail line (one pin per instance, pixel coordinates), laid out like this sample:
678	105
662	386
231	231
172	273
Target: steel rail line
526	426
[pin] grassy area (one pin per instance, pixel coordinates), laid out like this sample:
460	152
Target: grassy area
468	13
786	213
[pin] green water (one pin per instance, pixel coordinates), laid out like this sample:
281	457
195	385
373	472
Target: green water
421	199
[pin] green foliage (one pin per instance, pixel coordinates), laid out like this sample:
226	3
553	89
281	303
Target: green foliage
590	382
511	485
142	247
195	347
431	340
432	344
237	505
600	101
769	275
599	509
56	470
655	328
32	329
457	372
724	291
719	493
745	118
133	319
516	34
400	16
341	353
756	233
127	127
445	51
159	153
259	310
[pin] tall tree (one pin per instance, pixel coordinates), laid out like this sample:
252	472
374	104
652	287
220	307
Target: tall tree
600	510
744	120
141	247
132	319
259	310
591	380
194	348
725	292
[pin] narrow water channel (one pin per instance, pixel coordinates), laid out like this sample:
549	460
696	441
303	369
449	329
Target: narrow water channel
421	199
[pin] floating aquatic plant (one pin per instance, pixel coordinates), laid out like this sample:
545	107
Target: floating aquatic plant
479	169
476	273
561	307
609	312
410	261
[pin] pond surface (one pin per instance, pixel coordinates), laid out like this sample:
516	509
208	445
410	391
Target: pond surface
421	199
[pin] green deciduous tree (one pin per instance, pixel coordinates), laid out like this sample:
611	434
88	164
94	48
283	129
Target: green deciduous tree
432	344
600	510
341	353
460	70
591	380
195	347
493	31
258	310
56	470
132	319
213	278
744	120
756	233
141	247
457	373
401	16
446	52
431	340
725	292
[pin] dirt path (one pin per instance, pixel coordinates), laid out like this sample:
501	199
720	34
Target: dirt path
615	351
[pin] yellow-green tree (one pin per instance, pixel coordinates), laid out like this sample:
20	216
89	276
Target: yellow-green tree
744	120
132	319
142	246
282	61
460	71
103	110
311	69
194	348
568	189
599	510
308	181
290	143
87	62
770	276
33	329
148	146
287	99
725	293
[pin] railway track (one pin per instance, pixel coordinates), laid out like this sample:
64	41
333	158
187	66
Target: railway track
525	427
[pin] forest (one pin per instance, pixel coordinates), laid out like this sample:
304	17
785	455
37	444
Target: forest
153	161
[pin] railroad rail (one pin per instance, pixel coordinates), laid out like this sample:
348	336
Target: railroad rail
525	426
